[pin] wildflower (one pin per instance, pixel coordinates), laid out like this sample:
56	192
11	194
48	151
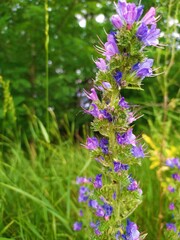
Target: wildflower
149	36
93	95
82	180
132	231
108	210
106	85
171	206
171	189
131	117
118	77
128	12
98	181
116	21
83	194
104	145
126	138
95	226
106	115
171	226
137	151
144	69
94	111
123	103
92	143
120	166
176	176
111	47
100	211
101	64
81	213
93	203
149	17
133	185
77	226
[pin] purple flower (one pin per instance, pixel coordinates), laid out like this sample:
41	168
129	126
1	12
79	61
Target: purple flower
116	21
98	181
131	117
171	206
149	36
176	176
171	226
114	195
120	166
82	180
92	143
77	226
108	210
123	103
111	47
117	235
93	203
133	185
173	162
81	213
149	17
92	95
128	12
118	77
126	138
95	226
106	115
104	145
132	231
83	194
106	85
101	64
137	151
94	111
171	189
144	69
100	211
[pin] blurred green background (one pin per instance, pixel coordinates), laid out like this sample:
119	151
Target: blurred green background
41	156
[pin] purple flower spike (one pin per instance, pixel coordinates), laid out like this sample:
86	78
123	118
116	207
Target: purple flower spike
137	151
98	181
171	227
149	17
132	231
92	95
101	64
144	69
118	77
123	103
171	206
77	226
104	145
111	47
116	21
92	143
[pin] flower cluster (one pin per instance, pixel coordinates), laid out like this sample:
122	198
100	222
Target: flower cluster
173	189
113	194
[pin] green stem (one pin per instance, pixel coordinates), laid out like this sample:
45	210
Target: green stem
46	61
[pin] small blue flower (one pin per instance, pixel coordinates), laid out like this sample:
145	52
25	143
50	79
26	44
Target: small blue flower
118	76
137	151
103	144
98	181
77	226
171	227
